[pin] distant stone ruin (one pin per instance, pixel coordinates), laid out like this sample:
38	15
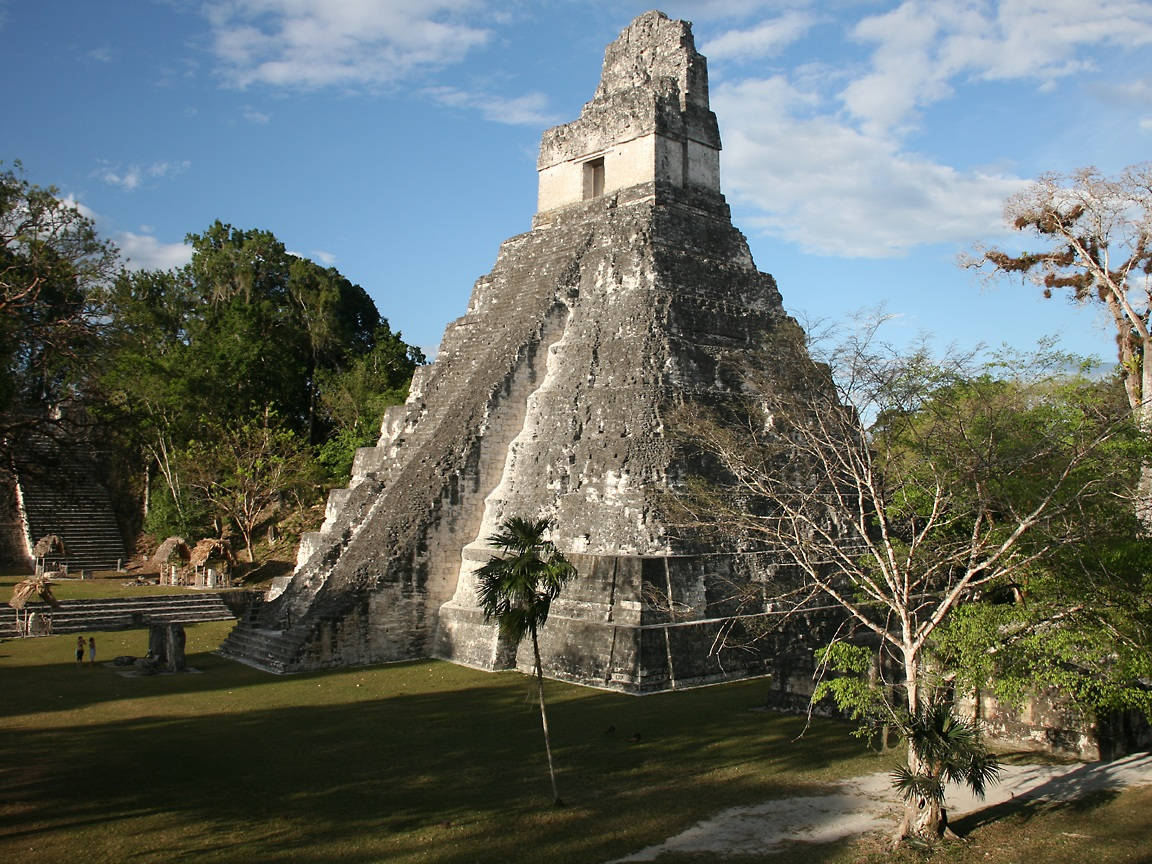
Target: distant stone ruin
631	295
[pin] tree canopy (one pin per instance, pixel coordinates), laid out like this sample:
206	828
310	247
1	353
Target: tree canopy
246	330
54	270
172	365
1095	236
909	486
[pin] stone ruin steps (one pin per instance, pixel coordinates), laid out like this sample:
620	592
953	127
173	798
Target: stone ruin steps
82	516
275	651
120	613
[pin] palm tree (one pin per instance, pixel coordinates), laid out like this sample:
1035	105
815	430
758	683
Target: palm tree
517	587
941	747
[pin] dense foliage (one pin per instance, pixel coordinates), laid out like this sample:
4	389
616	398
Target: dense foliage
54	269
906	490
191	372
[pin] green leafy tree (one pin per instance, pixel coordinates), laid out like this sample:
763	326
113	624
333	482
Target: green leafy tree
353	399
54	269
517	587
245	327
147	397
909	486
244	468
1096	248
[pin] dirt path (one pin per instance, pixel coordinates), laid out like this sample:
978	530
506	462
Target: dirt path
867	803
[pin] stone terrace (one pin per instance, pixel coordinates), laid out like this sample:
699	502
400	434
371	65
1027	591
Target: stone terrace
122	612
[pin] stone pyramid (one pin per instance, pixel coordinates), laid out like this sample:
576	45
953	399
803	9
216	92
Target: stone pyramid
549	398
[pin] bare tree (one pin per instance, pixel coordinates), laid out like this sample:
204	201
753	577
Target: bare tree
901	488
1097	246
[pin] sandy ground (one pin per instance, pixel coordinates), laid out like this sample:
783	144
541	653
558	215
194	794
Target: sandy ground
867	803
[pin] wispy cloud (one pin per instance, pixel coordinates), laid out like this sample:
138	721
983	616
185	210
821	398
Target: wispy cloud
132	177
763	40
837	190
923	47
325	258
826	154
260	118
531	109
142	251
310	44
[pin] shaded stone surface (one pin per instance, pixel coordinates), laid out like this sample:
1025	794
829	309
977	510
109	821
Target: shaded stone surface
166	647
549	398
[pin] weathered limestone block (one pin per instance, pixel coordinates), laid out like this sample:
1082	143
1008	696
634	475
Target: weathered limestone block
631	295
166	647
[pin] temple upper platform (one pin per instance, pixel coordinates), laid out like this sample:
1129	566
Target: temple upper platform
648	121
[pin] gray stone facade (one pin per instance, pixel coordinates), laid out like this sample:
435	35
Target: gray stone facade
549	398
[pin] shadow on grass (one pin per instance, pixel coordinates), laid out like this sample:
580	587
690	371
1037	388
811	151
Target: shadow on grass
421	761
1028	807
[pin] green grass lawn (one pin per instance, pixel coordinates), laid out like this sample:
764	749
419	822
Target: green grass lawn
420	761
110	584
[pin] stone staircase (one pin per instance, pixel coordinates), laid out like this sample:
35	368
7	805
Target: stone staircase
274	651
271	638
119	613
60	496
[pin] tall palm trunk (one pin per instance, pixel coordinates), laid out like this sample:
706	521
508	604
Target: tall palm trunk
923	817
544	715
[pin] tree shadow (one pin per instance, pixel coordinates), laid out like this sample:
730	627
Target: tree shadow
194	772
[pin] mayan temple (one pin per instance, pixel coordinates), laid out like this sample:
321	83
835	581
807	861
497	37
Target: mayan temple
548	398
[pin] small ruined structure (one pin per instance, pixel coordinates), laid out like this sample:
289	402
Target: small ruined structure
210	564
631	295
35	621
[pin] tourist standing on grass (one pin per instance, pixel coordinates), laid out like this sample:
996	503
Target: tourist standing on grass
92	650
79	650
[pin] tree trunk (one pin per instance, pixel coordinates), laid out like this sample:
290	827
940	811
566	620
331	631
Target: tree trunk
1143	412
923	819
544	716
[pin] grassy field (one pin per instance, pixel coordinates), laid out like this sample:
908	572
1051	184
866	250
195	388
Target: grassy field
421	761
110	584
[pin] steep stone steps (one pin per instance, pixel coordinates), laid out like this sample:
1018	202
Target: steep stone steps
79	511
59	494
274	651
118	613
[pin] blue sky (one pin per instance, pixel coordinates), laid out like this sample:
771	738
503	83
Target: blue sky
866	143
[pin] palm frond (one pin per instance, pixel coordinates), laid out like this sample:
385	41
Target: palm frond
911	785
518	586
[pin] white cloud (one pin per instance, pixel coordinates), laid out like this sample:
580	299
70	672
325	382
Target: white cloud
837	190
923	47
325	258
527	110
258	117
310	44
705	10
824	154
764	40
131	177
83	210
145	252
